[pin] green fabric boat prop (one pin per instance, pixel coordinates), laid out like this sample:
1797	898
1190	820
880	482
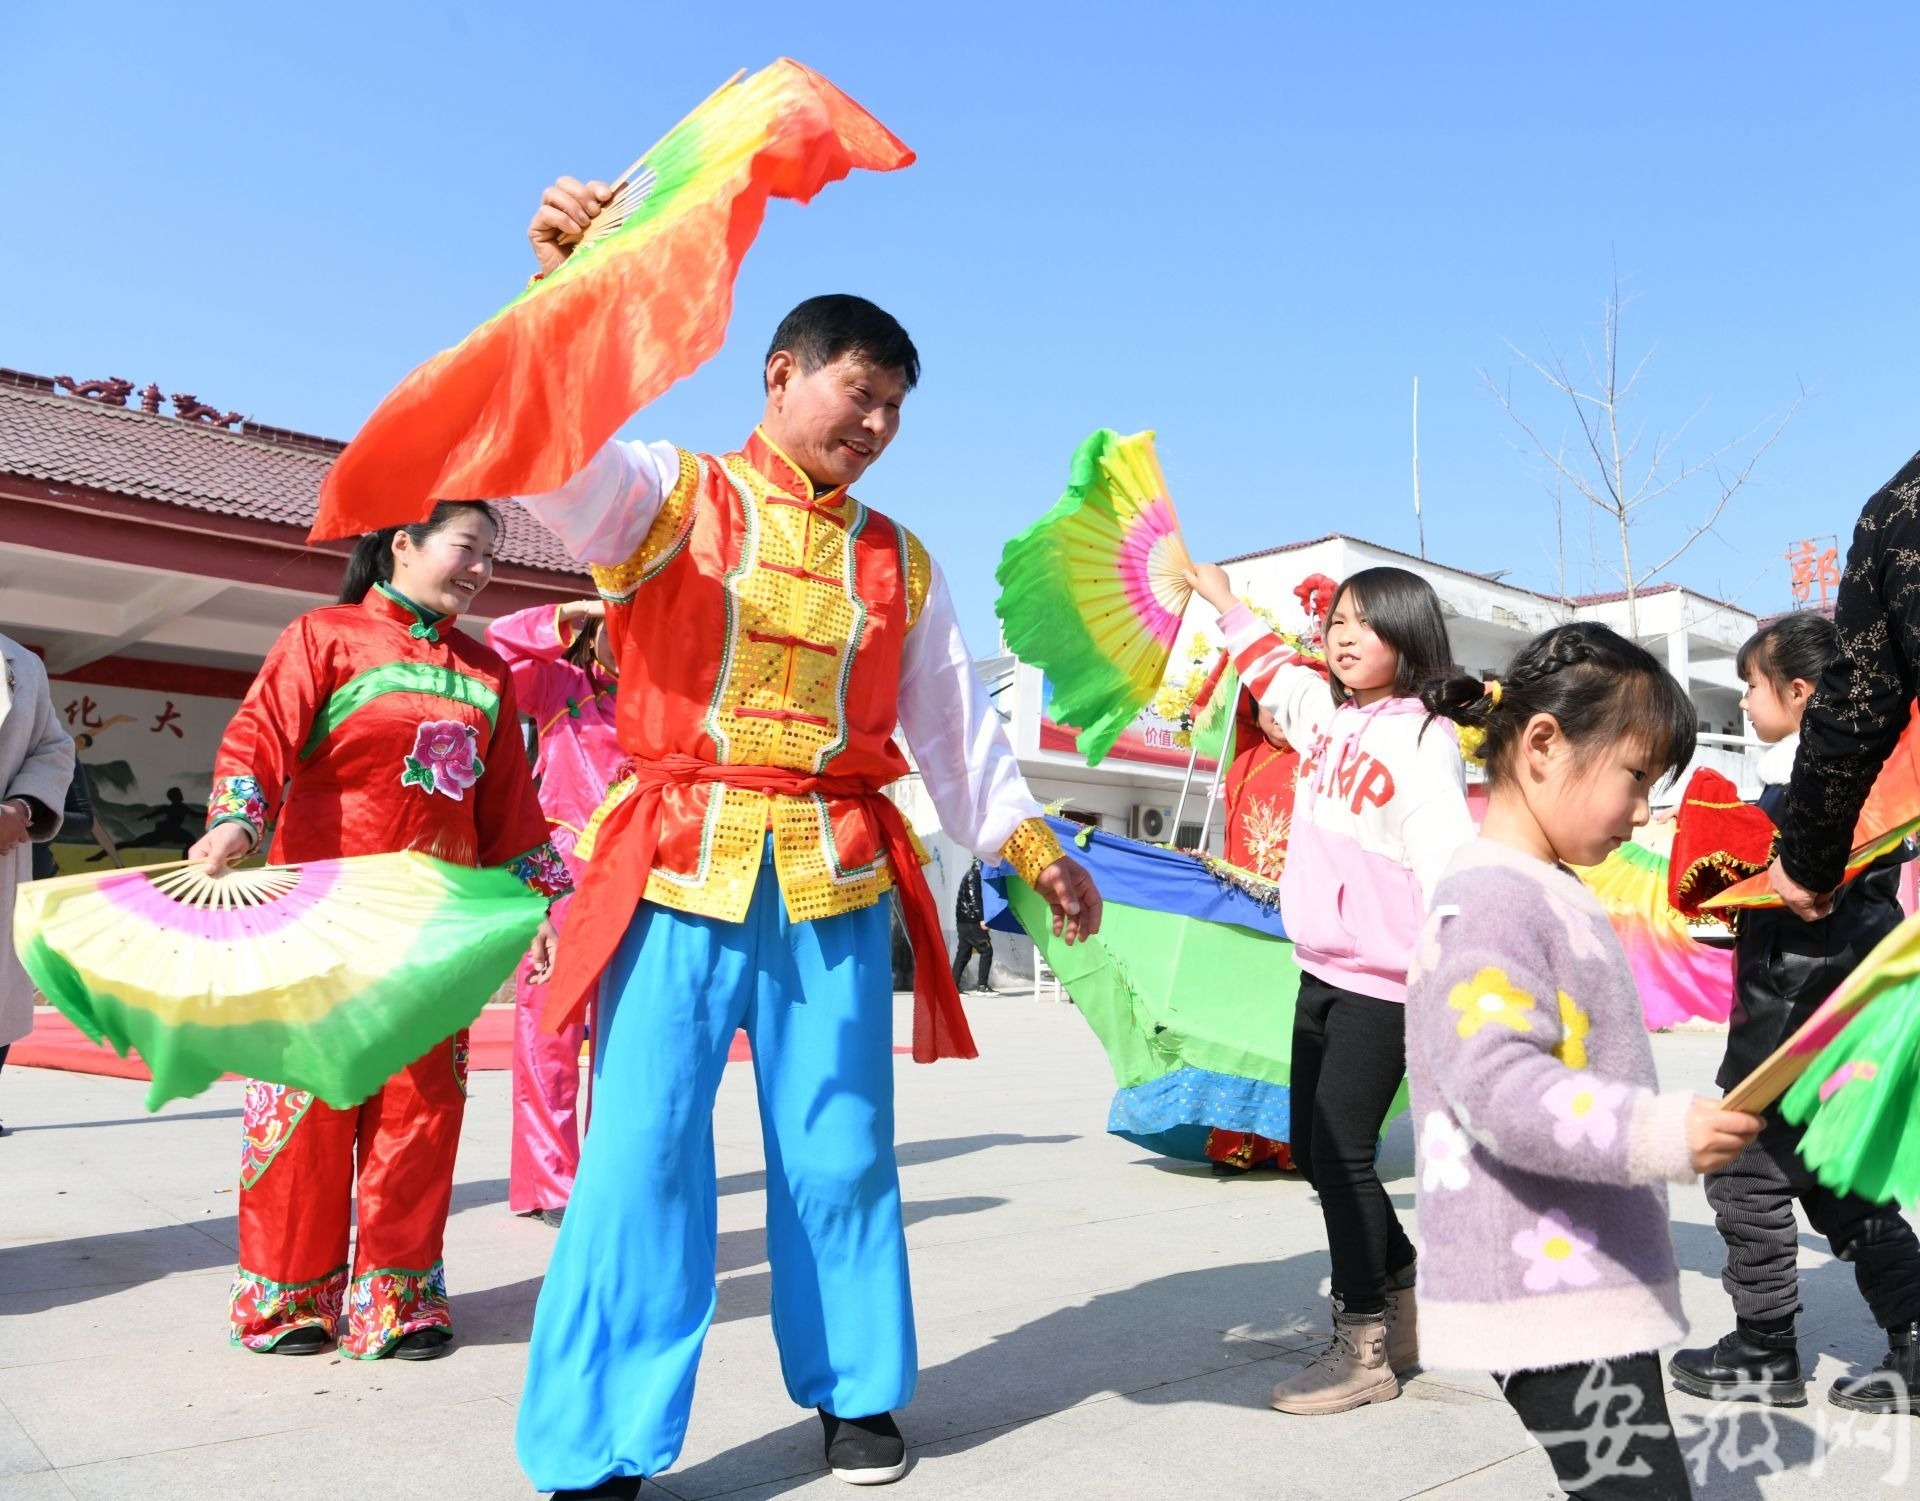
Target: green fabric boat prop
1189	986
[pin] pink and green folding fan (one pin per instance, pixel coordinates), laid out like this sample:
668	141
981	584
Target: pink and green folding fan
328	976
1851	1075
1678	977
1092	593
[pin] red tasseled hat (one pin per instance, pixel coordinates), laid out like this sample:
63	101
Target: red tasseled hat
1718	840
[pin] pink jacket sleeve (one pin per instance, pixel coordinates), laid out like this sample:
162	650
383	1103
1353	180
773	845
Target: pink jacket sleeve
531	643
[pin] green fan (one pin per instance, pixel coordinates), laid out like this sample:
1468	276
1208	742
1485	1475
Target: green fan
1092	593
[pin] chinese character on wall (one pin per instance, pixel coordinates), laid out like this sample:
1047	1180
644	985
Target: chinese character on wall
1814	568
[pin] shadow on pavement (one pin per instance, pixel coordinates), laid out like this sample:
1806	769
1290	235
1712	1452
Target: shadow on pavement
135	1120
58	1273
912	1153
504	1315
1065	1358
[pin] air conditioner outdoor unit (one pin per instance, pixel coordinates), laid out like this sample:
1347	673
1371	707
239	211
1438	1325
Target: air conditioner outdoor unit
1152	823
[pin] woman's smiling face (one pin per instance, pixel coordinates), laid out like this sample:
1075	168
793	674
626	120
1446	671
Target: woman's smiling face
450	567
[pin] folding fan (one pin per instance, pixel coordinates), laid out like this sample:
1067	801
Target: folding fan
327	976
1093	592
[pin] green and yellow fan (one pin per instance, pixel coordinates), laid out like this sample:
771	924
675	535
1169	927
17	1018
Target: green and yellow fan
1092	593
328	976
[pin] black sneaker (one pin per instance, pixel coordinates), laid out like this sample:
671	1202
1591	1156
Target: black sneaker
1748	1365
1893	1386
864	1451
613	1488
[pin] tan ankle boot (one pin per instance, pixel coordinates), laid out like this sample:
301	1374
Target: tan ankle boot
1403	1329
1351	1372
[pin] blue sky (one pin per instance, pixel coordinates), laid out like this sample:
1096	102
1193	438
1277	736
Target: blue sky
1246	226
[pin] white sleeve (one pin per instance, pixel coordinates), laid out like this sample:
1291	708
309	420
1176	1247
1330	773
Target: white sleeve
601	515
1438	823
955	733
1294	694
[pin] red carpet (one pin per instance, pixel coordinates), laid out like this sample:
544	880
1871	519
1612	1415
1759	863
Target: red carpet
56	1043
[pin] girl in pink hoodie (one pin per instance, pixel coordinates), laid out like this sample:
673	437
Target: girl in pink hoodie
564	684
1380	808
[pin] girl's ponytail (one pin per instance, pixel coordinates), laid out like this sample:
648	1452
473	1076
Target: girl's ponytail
1463	699
1598	686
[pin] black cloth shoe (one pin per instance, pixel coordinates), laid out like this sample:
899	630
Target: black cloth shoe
613	1488
1748	1365
308	1339
864	1451
422	1344
1893	1386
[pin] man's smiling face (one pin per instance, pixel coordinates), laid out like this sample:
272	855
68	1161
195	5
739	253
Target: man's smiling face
834	421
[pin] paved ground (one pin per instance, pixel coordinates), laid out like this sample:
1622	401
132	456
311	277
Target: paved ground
1093	1322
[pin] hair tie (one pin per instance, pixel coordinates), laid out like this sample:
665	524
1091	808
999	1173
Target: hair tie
1492	687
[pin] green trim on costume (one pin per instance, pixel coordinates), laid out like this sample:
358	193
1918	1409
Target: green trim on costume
399	677
425	621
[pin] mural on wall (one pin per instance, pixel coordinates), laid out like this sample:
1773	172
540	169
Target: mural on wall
147	758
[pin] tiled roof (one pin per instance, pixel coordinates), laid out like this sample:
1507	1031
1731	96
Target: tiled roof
263	474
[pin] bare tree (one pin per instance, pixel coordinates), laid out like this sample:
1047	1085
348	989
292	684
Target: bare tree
1615	466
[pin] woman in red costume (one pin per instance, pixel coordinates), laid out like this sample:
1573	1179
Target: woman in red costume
373	726
1259	808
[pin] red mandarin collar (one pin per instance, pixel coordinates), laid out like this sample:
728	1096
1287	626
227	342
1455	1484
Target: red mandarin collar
771	461
387	605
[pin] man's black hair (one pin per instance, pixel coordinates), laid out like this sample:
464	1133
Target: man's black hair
821	329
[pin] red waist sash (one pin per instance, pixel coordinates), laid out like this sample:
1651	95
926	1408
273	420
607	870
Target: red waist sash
614	884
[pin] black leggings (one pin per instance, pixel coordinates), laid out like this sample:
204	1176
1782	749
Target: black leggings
1605	1427
1349	1053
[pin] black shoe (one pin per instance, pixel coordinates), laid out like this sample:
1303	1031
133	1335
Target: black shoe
308	1339
1747	1365
864	1451
1893	1386
1231	1169
613	1488
551	1217
422	1344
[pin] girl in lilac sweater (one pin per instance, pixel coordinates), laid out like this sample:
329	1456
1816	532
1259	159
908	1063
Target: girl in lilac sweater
1543	1142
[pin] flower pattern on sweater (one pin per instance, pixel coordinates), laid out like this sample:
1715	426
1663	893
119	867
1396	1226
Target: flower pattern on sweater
1575	1024
1444	1148
1491	997
1585	1110
1558	1254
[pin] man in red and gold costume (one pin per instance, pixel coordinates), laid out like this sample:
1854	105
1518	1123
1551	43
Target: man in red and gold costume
772	632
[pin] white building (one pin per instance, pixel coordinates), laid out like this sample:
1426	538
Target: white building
1137	787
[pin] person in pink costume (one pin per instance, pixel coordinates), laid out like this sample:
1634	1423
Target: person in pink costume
564	682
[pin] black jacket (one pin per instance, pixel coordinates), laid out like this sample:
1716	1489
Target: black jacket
1784	968
1863	701
969	907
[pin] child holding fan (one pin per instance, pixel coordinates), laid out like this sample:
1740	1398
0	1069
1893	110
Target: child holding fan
1783	969
1379	810
1543	1142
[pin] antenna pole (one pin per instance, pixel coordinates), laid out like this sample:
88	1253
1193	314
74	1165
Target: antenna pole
1418	520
